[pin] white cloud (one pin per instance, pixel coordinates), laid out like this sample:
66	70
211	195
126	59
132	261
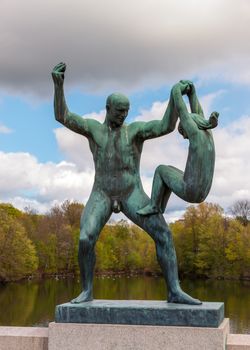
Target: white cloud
75	147
24	181
128	45
207	101
24	203
155	112
231	179
5	130
174	215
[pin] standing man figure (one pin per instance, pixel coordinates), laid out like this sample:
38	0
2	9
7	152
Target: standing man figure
116	149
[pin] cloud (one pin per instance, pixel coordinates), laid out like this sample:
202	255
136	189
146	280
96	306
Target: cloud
5	130
208	100
26	182
231	179
24	203
123	45
75	147
155	112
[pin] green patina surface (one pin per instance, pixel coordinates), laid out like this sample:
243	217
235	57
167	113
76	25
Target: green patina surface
141	312
116	148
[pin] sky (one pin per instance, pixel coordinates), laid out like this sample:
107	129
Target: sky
140	48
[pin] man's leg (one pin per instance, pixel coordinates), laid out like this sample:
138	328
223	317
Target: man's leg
94	217
157	228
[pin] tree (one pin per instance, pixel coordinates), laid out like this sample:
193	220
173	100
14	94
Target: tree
55	236
208	244
72	212
241	211
127	248
17	253
194	237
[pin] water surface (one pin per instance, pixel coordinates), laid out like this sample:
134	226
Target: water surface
32	303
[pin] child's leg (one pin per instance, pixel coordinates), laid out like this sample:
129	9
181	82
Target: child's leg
167	179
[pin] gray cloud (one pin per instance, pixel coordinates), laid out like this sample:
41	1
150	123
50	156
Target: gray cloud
121	44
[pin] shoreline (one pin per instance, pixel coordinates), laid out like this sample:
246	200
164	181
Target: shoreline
122	273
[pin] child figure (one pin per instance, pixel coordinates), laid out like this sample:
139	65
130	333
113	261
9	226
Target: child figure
194	184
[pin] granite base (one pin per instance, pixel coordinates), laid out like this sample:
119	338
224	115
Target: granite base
140	312
68	336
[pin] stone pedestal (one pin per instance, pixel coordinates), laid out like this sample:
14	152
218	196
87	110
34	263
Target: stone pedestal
141	312
138	325
68	336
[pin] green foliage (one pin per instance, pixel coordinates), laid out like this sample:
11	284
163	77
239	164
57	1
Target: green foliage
208	244
124	247
55	236
9	210
17	253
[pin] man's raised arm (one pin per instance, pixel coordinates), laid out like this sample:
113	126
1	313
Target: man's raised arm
156	128
62	114
195	105
187	87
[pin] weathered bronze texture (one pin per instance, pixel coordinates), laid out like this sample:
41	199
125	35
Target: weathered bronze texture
116	149
194	183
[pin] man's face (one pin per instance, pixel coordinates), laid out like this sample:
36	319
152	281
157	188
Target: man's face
118	112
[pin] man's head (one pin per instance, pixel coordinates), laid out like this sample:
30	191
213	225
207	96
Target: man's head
117	106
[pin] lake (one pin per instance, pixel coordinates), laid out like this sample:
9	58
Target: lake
32	303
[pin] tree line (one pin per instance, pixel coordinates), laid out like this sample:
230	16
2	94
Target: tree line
208	243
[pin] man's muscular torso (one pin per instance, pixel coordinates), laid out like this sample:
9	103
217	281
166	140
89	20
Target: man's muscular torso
116	153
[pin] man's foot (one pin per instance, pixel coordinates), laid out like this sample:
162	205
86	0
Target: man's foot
181	297
148	210
82	298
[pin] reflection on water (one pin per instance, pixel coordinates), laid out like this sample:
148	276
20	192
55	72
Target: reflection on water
33	303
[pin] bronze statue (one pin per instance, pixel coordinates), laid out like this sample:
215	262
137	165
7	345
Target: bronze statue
116	149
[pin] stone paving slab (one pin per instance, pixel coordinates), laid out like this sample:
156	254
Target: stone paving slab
238	342
23	338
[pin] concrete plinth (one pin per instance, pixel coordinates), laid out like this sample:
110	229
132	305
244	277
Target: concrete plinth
23	338
68	336
141	312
